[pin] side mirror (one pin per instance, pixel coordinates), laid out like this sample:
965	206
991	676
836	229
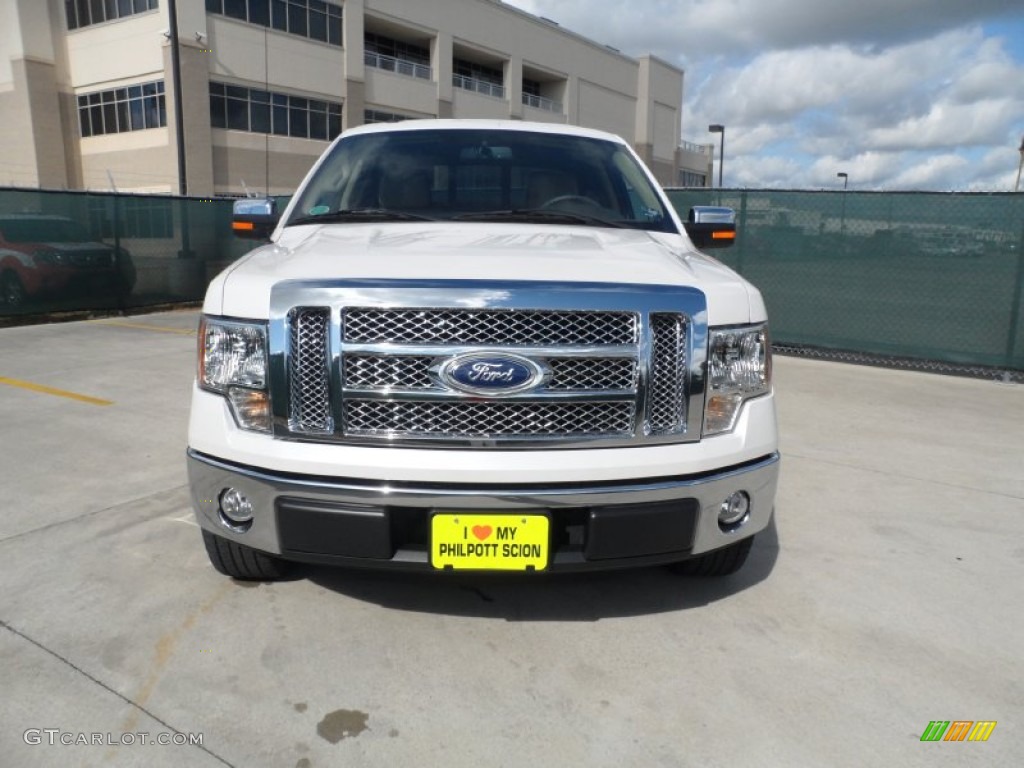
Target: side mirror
710	226
254	218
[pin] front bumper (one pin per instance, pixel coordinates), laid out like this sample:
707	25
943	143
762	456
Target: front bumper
385	524
50	280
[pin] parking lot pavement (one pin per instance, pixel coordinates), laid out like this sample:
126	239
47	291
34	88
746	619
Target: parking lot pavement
886	595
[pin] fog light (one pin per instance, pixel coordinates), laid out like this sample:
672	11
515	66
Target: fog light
235	507
734	511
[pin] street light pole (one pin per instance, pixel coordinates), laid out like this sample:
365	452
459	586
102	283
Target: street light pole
846	181
716	128
179	122
1016	187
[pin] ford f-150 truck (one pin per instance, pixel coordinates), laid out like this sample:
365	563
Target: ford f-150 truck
481	345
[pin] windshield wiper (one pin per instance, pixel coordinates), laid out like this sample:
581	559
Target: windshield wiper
357	215
538	216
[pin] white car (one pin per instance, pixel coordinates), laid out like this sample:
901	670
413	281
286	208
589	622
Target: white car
481	345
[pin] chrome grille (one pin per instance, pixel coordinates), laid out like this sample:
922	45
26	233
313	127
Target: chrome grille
387	371
666	402
506	327
488	419
309	383
370	364
588	373
413	372
103	258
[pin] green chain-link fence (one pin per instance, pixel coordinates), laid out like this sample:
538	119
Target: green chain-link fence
918	275
925	276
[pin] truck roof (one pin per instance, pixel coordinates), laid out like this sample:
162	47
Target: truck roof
494	125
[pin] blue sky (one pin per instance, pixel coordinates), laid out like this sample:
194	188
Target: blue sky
1011	31
899	94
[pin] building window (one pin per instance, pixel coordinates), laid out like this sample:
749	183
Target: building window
392	55
134	108
387	46
377	116
249	109
315	19
82	13
691	179
144	218
148	218
471	76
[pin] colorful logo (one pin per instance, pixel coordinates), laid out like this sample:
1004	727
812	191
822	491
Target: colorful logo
958	730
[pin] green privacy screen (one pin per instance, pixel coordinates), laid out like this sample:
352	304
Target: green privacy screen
925	276
918	275
72	251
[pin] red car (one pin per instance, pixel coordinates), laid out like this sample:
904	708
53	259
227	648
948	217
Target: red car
44	255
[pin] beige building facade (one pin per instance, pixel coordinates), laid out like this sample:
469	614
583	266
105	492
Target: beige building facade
86	87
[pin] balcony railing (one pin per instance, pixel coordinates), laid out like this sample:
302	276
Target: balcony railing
697	149
542	102
401	66
480	86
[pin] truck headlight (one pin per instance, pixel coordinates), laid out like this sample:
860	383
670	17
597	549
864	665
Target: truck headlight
233	363
739	368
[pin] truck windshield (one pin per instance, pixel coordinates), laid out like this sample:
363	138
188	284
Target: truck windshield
481	175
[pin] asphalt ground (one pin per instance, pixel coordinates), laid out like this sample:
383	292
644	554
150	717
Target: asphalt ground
886	595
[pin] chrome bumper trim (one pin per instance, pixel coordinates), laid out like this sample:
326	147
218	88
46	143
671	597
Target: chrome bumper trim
208	476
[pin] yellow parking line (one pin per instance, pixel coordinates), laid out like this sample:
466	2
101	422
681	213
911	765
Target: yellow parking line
143	326
51	391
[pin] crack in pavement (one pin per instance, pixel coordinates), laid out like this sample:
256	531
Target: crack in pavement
93	513
137	706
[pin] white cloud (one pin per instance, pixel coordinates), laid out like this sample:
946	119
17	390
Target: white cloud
899	93
752	172
864	170
938	172
949	124
703	28
991	73
999	164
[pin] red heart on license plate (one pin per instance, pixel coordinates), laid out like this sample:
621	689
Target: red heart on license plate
482	531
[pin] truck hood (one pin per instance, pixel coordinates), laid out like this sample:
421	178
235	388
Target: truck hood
479	251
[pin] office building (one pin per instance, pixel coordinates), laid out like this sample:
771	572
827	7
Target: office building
88	97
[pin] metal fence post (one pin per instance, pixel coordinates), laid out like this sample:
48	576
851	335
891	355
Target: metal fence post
1015	308
119	295
741	234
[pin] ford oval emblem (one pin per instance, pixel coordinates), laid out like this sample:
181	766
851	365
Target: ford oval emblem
493	375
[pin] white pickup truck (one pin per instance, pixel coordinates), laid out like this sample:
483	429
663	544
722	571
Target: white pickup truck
487	346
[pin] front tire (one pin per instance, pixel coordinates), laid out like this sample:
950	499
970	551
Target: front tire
12	290
241	562
720	562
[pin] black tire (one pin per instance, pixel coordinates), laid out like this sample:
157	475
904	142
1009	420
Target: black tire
241	562
721	562
12	291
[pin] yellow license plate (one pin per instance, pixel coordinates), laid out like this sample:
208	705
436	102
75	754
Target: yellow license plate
489	542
